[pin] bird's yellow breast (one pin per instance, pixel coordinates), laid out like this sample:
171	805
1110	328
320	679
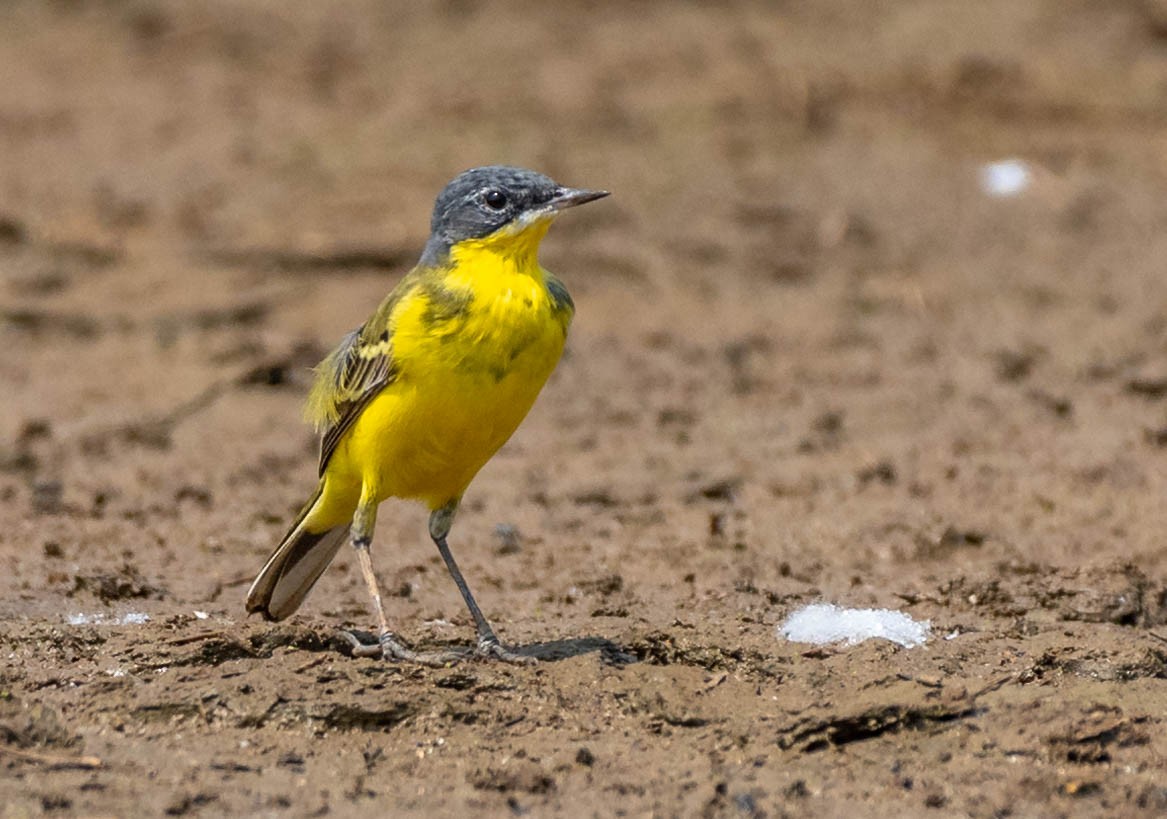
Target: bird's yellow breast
472	345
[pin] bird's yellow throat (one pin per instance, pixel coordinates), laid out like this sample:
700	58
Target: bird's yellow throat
515	246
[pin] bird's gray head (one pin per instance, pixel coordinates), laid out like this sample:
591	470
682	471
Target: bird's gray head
483	201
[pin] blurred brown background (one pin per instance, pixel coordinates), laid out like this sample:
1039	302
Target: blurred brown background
816	356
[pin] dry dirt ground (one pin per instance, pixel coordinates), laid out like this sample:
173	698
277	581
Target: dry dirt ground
812	360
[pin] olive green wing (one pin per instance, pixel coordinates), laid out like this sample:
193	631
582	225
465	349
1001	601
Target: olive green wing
352	375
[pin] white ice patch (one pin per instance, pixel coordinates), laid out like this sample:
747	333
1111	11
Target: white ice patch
130	618
824	623
1005	178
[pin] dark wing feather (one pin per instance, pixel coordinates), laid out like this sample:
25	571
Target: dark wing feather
353	374
361	373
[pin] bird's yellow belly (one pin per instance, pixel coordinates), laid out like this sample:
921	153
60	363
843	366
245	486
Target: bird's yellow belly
427	434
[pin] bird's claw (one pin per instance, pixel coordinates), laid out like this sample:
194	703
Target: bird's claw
490	648
388	647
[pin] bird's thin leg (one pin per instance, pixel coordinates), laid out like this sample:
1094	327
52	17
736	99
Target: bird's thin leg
488	644
387	645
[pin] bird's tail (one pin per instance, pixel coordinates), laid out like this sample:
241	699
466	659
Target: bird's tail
295	565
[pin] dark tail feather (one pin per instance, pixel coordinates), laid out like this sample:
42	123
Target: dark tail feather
294	567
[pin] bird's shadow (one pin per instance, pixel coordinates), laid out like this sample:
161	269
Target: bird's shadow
550	651
554	650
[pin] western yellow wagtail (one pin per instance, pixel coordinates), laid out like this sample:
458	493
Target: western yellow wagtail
417	399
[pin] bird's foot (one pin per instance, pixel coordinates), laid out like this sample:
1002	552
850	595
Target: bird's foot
490	648
390	648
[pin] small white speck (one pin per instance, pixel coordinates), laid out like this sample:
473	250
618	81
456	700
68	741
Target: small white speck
1005	178
824	623
130	618
201	615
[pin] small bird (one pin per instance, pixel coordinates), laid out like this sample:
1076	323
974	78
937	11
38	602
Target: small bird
417	399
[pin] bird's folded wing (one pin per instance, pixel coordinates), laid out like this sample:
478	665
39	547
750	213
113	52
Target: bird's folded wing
351	377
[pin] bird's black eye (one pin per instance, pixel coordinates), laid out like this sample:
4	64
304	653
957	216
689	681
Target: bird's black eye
495	199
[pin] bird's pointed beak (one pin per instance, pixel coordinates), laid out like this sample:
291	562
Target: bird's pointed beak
571	197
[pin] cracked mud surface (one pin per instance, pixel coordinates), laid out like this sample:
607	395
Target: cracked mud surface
811	361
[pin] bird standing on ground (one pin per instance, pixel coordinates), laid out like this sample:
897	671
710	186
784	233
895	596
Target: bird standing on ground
415	401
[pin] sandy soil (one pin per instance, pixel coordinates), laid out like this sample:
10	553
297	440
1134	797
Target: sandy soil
812	360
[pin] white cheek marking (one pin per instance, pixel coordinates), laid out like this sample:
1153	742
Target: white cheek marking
527	220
